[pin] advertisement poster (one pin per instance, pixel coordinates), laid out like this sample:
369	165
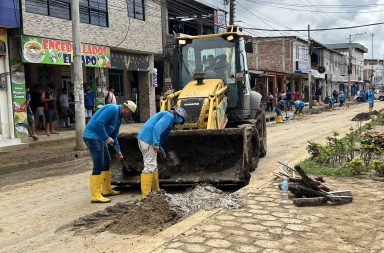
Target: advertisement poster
60	52
19	98
3	40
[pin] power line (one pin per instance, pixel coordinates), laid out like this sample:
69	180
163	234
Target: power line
313	30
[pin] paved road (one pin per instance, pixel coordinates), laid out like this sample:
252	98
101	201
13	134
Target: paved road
32	211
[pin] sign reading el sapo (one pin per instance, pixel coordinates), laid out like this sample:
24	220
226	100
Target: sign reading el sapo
60	52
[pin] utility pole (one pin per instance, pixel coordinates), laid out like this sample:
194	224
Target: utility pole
78	75
309	69
372	59
349	61
231	12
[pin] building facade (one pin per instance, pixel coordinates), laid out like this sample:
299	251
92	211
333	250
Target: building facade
120	40
355	65
373	72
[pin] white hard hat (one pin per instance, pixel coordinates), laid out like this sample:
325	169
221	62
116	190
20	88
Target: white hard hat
131	105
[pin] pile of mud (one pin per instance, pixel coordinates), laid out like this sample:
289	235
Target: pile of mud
154	214
363	116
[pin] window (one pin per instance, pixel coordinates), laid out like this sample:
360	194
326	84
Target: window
94	12
136	9
53	8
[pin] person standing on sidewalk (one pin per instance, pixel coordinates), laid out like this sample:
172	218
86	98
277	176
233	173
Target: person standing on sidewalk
101	131
151	137
30	117
89	103
110	98
64	105
371	98
49	99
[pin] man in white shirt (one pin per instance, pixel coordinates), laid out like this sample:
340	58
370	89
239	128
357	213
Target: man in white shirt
110	98
64	105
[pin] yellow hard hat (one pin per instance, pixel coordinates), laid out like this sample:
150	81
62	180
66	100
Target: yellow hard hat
131	105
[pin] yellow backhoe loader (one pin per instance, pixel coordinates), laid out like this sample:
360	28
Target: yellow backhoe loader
225	130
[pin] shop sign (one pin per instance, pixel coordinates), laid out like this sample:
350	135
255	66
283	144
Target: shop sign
60	52
132	62
19	98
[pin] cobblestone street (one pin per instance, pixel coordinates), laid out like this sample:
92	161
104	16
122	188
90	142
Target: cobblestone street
266	225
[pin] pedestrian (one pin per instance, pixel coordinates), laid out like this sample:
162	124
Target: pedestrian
331	103
318	94
335	95
101	131
288	95
89	103
110	98
270	102
281	105
30	117
37	107
341	98
151	139
371	98
299	106
64	105
296	95
48	98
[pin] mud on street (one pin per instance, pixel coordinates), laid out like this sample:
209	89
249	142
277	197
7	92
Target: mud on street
55	212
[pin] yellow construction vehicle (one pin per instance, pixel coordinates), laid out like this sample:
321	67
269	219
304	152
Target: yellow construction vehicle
225	130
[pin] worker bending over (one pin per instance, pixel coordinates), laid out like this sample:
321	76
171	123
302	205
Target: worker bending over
281	105
151	139
102	130
299	105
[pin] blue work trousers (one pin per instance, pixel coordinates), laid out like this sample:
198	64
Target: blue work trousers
100	155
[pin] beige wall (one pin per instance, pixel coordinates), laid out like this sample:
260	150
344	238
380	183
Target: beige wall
143	36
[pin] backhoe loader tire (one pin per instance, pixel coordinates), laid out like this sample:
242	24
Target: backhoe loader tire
261	125
253	147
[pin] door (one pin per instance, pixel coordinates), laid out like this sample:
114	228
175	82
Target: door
116	81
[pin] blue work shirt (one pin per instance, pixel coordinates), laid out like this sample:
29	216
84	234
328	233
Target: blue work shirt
299	103
281	104
89	99
105	123
371	95
157	129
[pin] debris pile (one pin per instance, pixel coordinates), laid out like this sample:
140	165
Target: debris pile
155	213
310	191
364	116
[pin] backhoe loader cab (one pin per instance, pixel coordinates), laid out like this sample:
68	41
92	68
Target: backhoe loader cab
224	133
218	56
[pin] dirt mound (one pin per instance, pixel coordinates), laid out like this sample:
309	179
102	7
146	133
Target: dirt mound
363	116
150	217
157	212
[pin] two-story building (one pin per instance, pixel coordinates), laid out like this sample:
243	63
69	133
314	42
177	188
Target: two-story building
120	40
355	65
373	72
278	63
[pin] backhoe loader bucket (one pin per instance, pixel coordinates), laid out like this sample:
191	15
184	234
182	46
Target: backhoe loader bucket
219	157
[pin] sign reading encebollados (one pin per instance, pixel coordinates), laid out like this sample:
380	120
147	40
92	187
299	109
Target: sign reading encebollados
60	52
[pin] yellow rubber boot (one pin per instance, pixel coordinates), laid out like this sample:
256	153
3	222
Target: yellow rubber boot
146	181
369	109
155	183
300	116
106	178
279	119
95	190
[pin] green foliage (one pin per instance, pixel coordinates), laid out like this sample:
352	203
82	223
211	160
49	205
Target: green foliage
377	166
354	167
314	168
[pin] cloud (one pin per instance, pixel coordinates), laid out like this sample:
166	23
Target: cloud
297	14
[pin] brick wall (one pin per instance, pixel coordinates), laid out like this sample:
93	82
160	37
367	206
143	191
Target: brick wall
143	36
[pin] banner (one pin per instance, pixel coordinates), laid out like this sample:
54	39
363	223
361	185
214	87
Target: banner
60	52
19	98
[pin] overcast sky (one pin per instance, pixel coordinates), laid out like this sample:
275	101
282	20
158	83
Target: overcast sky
297	14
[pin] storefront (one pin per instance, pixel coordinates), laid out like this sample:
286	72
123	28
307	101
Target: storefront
134	77
50	61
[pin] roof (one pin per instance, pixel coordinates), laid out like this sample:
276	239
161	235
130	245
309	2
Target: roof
346	46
